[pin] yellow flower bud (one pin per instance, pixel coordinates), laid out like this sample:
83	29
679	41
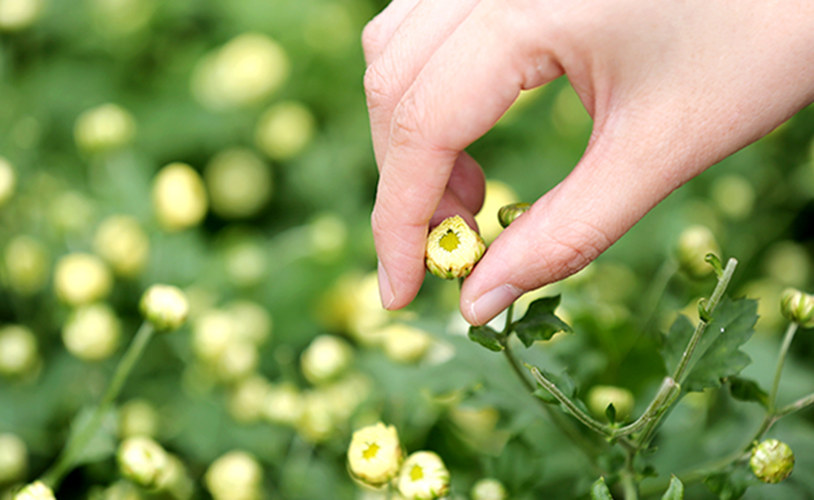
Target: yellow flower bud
771	461
798	306
26	265
35	491
489	489
423	476
283	404
7	181
142	460
104	128
325	359
138	417
164	306
453	249
16	15
374	454
13	458
601	396
122	243
239	183
694	244
284	130
404	343
18	351
92	332
81	278
234	476
508	213
247	399
179	197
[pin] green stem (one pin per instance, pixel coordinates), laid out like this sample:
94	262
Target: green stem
796	406
569	405
781	360
75	445
628	478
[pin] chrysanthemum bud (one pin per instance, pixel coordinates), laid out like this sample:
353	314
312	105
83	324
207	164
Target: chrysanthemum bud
772	461
374	454
284	130
35	491
234	476
601	396
325	358
104	128
164	306
92	332
7	181
137	417
142	460
404	343
283	404
13	458
798	307
694	244
179	197
81	278
508	213
26	265
423	476
122	243
239	183
18	350
489	489
453	249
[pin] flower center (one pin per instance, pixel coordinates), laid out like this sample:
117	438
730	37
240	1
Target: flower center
416	473
449	241
370	451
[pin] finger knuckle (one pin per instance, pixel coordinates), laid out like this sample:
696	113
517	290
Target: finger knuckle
575	245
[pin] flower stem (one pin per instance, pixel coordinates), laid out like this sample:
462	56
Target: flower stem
781	360
76	444
569	405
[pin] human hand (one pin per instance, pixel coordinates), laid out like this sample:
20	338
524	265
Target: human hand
672	87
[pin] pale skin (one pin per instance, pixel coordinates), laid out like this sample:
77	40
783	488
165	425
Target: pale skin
672	86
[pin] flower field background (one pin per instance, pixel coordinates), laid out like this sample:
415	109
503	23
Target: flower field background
223	148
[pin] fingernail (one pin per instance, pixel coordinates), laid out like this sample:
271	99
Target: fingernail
491	303
385	290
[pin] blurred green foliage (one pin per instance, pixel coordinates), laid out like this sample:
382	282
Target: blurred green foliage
304	256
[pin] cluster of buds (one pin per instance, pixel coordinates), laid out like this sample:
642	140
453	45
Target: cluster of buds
453	249
375	459
798	306
146	463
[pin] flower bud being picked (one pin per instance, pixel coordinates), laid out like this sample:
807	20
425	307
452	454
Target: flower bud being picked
453	249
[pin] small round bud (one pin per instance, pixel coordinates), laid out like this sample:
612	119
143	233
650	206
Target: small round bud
798	306
423	476
122	243
104	128
237	361
404	343
138	417
234	476
325	359
13	458
164	306
92	332
601	396
16	15
498	194
772	461
247	398
239	183
26	265
374	454
317	423
694	244
244	71
179	197
35	491
7	181
283	404
453	249
251	322
81	278
284	130
508	213
489	489
18	351
142	461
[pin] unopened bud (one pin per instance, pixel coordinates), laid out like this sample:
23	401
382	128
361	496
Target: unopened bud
772	461
104	128
508	213
325	359
81	278
35	491
121	241
234	476
92	332
602	396
179	197
423	476
142	460
798	307
489	489
164	306
374	454
18	350
694	244
285	130
13	458
453	249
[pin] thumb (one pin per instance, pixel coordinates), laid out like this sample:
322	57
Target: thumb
616	182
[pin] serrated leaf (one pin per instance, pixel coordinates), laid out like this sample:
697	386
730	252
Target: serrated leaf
718	353
486	336
600	491
744	389
540	322
675	491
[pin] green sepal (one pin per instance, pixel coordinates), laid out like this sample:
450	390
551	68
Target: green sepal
540	322
744	389
486	336
600	491
675	491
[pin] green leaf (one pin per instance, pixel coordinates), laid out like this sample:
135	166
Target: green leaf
486	336
102	442
675	491
610	413
600	491
728	485
718	353
540	322
744	389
